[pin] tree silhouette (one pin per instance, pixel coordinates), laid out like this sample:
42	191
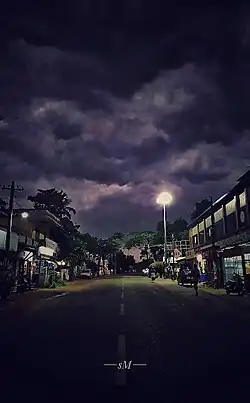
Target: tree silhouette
55	201
200	207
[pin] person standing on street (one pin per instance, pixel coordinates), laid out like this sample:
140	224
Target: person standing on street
196	278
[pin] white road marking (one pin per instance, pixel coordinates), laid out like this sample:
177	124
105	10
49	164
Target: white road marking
57	296
122	295
121	376
122	309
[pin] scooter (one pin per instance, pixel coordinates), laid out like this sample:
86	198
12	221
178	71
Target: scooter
236	285
153	276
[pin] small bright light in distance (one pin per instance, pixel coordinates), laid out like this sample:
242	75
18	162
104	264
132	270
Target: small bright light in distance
25	214
164	198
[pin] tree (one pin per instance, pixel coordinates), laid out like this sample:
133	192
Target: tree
178	228
69	226
141	240
55	201
78	254
118	236
200	207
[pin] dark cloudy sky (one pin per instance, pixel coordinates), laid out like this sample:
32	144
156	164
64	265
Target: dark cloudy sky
114	101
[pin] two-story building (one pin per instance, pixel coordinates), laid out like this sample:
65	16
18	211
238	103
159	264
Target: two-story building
35	239
220	237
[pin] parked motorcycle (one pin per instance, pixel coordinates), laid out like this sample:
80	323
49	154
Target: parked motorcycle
235	285
153	276
173	276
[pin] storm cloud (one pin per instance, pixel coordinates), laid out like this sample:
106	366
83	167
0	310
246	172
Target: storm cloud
116	113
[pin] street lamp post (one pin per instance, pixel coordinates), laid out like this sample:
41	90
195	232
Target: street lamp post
164	199
165	231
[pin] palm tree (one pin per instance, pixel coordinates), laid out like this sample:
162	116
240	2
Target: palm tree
55	201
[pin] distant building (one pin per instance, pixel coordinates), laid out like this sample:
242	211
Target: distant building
135	252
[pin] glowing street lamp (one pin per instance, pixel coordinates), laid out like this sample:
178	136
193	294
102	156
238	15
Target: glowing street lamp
164	199
25	214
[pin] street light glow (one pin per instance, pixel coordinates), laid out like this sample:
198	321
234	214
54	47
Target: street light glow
164	198
25	214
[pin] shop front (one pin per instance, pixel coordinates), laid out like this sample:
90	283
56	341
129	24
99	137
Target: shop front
237	260
46	265
211	262
232	263
28	249
235	252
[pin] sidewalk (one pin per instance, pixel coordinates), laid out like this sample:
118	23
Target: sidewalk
18	304
211	290
215	291
202	288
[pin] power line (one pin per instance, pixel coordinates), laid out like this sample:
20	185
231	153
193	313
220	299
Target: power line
12	188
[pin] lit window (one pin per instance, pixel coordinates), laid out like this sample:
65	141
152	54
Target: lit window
201	226
242	198
195	230
230	207
218	215
208	222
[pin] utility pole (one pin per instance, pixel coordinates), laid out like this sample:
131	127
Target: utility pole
214	252
12	190
165	232
173	248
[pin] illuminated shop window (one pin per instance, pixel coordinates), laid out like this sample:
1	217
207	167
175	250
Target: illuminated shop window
201	226
230	207
218	215
232	265
247	263
242	199
208	222
195	230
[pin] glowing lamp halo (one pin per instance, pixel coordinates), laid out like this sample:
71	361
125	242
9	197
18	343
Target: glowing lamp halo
164	198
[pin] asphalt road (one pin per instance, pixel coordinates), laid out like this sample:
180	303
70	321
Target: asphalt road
192	348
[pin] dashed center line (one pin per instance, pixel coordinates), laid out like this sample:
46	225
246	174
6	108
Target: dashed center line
57	296
122	309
